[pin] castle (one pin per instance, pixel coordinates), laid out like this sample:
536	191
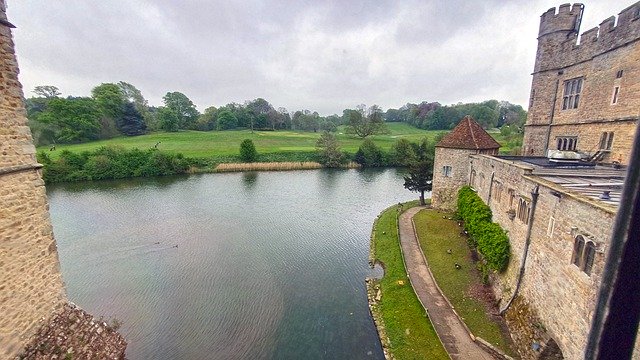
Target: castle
35	315
558	201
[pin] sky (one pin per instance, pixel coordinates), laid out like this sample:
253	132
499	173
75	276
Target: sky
318	55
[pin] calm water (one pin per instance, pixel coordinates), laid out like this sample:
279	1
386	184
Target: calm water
267	265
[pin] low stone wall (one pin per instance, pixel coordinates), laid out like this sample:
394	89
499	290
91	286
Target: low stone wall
72	333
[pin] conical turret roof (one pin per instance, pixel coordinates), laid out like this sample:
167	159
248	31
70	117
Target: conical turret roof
468	134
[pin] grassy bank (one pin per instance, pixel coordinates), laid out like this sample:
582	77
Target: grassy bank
406	324
463	287
272	145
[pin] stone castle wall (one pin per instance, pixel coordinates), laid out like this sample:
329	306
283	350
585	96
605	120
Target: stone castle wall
31	288
445	188
562	296
600	55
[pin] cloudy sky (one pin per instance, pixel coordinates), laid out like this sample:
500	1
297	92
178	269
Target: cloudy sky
316	55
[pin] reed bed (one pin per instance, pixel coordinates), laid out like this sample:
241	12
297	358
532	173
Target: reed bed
275	166
268	166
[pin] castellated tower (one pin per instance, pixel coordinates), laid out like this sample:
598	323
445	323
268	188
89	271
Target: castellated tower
451	164
555	30
585	92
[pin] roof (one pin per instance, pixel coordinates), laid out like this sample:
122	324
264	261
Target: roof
596	182
468	134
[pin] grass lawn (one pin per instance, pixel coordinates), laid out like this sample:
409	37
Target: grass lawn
203	144
462	287
409	330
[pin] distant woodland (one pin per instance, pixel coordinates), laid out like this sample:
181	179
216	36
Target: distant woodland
120	109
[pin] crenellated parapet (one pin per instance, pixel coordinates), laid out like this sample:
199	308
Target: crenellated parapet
558	44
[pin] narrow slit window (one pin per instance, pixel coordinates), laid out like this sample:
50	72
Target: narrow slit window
614	97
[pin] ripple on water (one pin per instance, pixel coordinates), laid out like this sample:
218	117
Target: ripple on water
268	268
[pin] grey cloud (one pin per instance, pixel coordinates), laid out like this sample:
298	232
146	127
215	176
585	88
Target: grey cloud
317	55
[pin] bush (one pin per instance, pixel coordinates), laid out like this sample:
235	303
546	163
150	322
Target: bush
491	240
111	163
248	151
369	155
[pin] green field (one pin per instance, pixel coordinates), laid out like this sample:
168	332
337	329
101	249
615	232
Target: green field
201	144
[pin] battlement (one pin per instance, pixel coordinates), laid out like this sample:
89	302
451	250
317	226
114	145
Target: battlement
558	45
567	19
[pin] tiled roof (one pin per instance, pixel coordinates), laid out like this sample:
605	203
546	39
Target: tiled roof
468	134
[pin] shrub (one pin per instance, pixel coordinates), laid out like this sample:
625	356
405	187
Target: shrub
111	163
248	151
369	155
491	240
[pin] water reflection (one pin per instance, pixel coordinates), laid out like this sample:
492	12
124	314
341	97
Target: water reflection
277	274
249	179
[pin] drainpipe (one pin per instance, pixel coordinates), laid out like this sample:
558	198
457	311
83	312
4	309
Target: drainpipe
553	111
493	173
527	241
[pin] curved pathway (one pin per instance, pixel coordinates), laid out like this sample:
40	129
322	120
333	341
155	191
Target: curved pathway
451	331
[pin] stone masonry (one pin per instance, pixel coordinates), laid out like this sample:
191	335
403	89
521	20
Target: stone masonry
554	306
607	59
31	288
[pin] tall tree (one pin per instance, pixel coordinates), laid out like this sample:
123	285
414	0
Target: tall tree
131	122
47	91
72	119
365	122
132	94
227	120
183	108
167	119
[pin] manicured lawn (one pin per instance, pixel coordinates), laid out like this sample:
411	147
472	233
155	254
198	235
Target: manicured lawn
201	144
462	287
410	332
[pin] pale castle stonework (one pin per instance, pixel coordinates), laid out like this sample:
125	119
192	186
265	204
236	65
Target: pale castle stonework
565	189
32	295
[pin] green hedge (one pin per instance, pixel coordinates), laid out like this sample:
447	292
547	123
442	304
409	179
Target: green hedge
111	163
491	240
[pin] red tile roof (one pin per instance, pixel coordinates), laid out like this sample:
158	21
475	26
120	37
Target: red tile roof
468	134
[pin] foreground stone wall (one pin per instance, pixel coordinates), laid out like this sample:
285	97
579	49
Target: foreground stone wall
555	290
31	287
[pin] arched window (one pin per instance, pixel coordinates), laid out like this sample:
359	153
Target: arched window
578	249
584	254
589	256
472	181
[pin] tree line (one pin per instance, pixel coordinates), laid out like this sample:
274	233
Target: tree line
116	109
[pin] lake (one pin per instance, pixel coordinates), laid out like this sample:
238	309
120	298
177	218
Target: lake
266	265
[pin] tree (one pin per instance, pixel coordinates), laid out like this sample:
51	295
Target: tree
131	122
364	122
110	100
403	153
369	154
184	109
226	119
132	94
207	120
248	151
72	119
329	150
167	119
47	91
419	178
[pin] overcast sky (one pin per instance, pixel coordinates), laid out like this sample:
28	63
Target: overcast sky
318	55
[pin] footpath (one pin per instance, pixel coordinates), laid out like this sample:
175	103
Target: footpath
451	331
